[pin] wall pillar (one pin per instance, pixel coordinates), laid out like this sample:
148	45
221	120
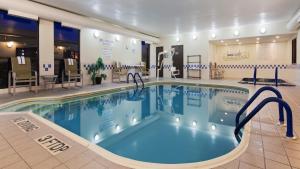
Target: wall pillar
46	47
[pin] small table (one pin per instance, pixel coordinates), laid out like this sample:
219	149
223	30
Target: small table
49	79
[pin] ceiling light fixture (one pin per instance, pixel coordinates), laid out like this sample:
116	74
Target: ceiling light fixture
263	30
277	37
257	38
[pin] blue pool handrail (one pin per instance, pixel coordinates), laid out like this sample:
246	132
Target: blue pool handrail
255	75
251	100
138	75
289	115
133	77
276	76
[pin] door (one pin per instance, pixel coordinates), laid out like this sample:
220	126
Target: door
178	59
146	54
158	50
294	51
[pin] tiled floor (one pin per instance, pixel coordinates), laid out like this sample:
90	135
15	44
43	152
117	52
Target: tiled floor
268	148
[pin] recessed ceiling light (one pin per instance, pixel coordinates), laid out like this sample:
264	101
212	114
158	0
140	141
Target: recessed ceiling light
257	38
236	33
263	30
213	35
177	39
277	37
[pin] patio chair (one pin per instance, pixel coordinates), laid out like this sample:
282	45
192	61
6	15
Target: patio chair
72	73
174	72
118	72
21	74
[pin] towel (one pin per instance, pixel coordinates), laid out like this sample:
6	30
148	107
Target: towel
21	60
70	61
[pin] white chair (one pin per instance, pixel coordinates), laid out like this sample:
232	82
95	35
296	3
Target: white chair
174	72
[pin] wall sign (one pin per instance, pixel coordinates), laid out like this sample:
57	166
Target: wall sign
235	54
52	144
107	47
25	125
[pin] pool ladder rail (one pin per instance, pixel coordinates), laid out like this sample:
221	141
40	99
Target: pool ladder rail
281	105
134	76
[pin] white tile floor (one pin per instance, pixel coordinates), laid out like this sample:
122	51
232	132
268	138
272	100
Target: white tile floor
268	148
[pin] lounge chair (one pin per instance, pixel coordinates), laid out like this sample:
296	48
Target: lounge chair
72	73
118	72
21	74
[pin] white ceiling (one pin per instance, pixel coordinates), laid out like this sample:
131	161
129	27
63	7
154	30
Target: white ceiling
165	17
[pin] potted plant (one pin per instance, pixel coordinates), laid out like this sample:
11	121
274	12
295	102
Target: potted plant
94	71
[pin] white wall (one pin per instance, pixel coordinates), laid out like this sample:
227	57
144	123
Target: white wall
298	47
124	51
200	46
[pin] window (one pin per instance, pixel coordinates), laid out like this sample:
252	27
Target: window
18	36
67	45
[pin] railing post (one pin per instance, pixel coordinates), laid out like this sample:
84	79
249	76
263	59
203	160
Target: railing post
276	76
254	75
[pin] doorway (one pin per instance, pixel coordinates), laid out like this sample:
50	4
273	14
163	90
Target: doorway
178	59
158	50
294	51
146	54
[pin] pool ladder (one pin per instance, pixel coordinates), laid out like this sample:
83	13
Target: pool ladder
281	105
134	76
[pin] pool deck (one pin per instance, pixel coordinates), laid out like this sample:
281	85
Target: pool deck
268	148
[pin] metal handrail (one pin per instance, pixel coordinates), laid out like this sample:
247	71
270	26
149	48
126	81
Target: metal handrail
284	104
137	74
133	77
251	100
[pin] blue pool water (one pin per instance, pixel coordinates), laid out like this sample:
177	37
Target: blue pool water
168	124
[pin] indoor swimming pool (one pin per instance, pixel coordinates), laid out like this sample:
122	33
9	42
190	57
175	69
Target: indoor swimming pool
164	123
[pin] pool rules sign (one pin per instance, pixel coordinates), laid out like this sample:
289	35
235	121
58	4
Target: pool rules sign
52	144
